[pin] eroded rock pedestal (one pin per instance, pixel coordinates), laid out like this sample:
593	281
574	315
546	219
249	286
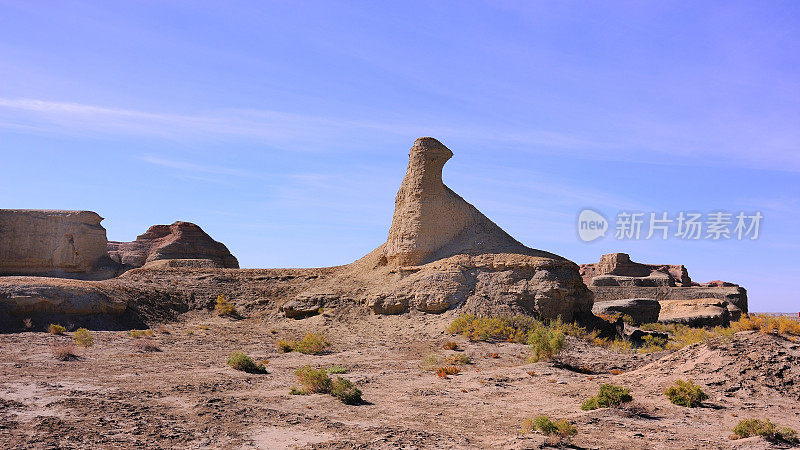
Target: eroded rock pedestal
442	253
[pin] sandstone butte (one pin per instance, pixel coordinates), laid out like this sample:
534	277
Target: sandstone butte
441	254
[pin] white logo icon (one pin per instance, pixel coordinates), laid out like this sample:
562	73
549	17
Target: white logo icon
591	225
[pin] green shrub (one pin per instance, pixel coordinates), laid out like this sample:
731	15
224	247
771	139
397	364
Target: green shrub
223	307
686	393
764	428
336	369
317	381
56	329
241	361
311	344
345	391
83	337
608	396
545	343
314	381
561	428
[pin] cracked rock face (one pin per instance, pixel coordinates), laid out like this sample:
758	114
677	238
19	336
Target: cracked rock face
50	243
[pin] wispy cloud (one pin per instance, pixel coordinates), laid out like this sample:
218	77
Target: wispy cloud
192	167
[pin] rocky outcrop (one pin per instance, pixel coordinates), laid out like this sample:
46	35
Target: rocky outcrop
442	253
52	243
616	277
621	264
641	310
181	240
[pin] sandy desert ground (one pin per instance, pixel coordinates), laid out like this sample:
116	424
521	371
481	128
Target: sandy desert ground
185	396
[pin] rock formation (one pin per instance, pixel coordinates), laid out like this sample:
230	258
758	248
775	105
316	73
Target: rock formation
179	241
442	253
616	277
620	264
51	243
431	221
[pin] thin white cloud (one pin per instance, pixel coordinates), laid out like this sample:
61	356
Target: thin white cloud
192	167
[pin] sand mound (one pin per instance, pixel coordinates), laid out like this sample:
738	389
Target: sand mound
743	366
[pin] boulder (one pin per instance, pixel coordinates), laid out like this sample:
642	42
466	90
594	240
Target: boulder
181	241
641	310
52	243
702	312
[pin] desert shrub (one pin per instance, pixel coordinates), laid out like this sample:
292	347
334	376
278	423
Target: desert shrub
27	323
240	361
609	396
64	351
146	345
443	372
336	369
297	391
512	329
311	344
686	393
450	345
345	391
56	329
83	337
458	360
223	307
137	334
561	428
314	381
431	361
653	344
766	429
545	343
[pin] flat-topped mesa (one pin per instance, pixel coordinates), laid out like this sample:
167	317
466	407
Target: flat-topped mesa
431	221
51	242
179	241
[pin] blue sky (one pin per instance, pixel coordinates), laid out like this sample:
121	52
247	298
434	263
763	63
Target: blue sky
282	128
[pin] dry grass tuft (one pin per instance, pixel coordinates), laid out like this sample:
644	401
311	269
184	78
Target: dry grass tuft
450	345
137	334
223	307
146	346
64	351
311	344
